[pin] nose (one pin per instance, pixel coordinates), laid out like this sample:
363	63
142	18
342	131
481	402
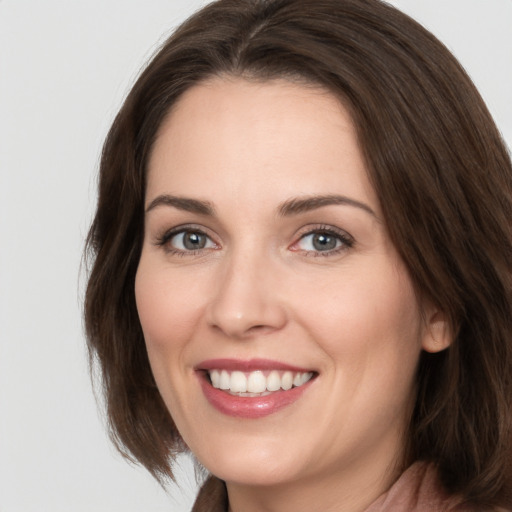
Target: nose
247	299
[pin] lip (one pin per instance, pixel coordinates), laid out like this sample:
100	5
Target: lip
243	406
249	365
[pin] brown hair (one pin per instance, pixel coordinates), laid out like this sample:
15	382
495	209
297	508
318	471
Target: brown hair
444	180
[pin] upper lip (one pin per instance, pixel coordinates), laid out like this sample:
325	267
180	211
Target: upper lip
248	365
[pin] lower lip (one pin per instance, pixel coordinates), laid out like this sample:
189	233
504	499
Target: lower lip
250	407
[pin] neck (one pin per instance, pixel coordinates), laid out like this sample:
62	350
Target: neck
351	489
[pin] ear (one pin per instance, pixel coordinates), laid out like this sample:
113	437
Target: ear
438	333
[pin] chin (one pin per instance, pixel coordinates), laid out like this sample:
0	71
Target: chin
243	472
251	464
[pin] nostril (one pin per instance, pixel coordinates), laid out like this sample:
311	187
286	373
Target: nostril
260	329
240	315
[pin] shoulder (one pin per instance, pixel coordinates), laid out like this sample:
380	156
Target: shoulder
418	490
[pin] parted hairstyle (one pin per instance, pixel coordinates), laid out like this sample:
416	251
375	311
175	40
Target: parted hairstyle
441	172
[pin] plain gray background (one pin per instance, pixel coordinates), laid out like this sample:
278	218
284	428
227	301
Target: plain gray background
65	67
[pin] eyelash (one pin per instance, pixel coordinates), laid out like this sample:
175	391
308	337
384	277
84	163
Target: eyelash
346	240
163	240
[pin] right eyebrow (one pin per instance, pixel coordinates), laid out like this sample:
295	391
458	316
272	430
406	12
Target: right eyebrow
300	205
182	203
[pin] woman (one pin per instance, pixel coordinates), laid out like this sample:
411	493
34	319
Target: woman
302	265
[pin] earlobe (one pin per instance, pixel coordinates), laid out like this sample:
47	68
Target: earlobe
438	333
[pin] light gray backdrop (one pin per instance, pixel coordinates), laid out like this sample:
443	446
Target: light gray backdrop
65	67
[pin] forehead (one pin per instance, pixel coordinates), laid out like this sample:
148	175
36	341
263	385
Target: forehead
230	138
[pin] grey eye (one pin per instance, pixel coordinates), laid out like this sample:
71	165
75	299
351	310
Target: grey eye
324	242
190	241
319	242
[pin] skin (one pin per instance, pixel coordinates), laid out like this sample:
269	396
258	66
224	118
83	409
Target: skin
260	289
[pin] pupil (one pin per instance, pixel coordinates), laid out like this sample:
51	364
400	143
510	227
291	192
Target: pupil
323	242
194	241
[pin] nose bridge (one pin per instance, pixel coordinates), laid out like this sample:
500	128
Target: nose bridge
245	300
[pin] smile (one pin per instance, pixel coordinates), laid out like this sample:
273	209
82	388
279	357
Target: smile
257	383
252	389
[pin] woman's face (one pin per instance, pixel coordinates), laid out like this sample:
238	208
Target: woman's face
266	265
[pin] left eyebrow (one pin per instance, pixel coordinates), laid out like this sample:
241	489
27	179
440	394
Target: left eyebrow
299	205
182	203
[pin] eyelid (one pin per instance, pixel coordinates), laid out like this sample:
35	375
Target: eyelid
347	240
167	235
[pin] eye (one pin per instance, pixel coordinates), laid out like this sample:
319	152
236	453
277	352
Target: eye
326	241
186	241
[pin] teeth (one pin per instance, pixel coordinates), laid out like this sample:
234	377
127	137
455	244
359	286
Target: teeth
287	381
238	382
273	381
257	382
224	380
215	378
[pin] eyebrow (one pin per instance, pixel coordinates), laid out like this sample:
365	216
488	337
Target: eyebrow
300	205
294	206
183	203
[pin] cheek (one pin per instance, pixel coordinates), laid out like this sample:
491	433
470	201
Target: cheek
371	317
167	308
169	311
371	331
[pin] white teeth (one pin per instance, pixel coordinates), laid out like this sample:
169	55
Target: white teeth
215	378
224	380
273	381
238	382
287	381
257	382
305	377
